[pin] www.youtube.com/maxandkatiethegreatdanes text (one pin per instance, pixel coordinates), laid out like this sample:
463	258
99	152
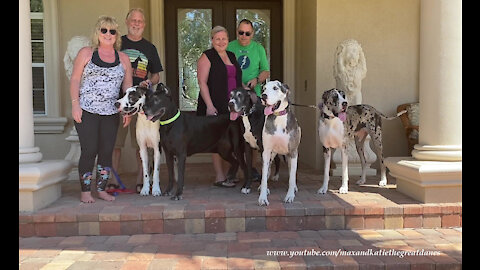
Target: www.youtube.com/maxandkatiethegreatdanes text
340	252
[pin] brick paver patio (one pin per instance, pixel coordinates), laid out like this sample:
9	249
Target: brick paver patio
219	228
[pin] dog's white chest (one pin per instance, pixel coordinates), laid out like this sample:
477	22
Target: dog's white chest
331	132
147	131
248	136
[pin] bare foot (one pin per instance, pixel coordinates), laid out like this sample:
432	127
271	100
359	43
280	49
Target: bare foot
86	197
105	196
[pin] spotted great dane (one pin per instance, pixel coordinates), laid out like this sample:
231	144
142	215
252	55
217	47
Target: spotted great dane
338	122
281	135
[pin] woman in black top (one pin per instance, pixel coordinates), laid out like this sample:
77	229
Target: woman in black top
218	74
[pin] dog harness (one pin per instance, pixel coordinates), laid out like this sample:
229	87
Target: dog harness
100	85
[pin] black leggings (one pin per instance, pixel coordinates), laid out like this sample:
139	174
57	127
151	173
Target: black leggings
97	134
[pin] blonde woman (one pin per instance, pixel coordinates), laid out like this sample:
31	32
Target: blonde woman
98	73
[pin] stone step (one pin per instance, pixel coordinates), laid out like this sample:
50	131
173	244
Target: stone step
303	249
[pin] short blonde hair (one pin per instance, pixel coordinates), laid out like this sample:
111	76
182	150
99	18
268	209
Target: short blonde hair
217	29
106	22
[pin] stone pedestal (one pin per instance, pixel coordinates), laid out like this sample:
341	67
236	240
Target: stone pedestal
427	181
74	154
40	183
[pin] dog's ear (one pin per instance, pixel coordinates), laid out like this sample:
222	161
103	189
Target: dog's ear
142	90
253	96
284	88
163	88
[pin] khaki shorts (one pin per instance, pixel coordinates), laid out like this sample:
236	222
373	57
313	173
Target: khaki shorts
122	133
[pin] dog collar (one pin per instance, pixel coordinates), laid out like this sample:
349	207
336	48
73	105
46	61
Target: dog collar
166	122
280	113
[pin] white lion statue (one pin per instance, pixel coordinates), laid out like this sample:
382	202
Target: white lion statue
350	69
73	46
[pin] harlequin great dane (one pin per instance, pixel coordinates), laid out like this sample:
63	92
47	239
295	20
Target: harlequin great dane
245	103
281	135
147	136
338	122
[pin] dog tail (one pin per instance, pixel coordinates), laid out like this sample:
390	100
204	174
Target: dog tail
392	117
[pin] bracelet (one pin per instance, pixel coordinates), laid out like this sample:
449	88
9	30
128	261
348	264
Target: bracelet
73	100
258	80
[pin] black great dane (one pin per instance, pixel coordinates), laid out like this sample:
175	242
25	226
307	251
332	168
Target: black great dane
184	134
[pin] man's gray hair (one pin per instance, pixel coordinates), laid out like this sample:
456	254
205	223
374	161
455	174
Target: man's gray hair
136	9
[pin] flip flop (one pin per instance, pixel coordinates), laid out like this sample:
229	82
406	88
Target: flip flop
224	183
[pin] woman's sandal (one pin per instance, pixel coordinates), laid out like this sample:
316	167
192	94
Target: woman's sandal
224	183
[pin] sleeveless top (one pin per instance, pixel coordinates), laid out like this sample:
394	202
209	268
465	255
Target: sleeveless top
231	78
218	82
100	84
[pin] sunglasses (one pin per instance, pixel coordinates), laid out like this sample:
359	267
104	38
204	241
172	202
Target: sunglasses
112	31
246	33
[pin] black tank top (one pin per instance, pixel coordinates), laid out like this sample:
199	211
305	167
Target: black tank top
99	62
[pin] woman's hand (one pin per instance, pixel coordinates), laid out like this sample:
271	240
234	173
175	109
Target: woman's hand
126	120
77	112
211	110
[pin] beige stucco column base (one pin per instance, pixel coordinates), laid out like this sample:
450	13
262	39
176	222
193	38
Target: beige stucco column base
427	181
40	183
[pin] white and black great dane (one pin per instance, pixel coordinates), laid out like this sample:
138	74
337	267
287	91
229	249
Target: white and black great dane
281	135
338	122
148	136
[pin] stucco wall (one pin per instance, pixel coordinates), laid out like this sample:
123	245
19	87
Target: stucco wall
389	34
388	31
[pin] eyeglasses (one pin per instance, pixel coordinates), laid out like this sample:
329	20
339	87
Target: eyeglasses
246	33
112	31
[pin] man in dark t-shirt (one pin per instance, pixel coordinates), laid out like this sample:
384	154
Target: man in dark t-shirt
146	67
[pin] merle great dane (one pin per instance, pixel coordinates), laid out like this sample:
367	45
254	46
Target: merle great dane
338	122
184	134
247	104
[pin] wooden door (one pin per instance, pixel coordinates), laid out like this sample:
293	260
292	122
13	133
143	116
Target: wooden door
187	34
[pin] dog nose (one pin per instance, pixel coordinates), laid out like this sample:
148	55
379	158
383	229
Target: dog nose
230	104
344	104
264	97
117	104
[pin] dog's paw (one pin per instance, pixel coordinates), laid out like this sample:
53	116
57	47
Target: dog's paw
176	198
262	200
343	190
259	190
145	190
156	191
290	197
361	181
383	183
322	190
275	177
246	190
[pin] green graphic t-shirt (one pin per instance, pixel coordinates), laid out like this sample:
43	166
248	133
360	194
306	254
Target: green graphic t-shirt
252	59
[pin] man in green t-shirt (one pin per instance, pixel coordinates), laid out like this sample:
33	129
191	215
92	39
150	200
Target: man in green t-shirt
251	57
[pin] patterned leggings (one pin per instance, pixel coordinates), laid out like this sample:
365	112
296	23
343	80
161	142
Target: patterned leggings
97	134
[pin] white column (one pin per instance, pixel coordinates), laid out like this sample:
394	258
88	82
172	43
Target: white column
440	136
434	173
27	152
38	181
